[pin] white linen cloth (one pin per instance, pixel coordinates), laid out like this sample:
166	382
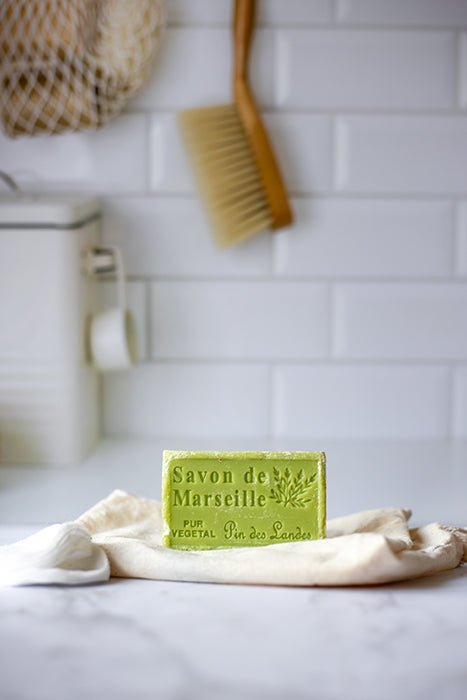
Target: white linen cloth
121	536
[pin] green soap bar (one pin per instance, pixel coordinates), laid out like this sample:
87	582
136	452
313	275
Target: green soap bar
213	500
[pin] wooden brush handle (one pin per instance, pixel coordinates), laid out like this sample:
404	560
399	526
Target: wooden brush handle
244	17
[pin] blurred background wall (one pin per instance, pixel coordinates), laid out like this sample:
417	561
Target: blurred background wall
352	323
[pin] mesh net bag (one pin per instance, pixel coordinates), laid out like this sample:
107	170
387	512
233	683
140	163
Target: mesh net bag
68	65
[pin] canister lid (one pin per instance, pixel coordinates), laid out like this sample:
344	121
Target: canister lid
42	210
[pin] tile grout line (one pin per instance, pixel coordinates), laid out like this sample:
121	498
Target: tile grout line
311	194
148	156
456	241
341	361
415	280
316	110
337	20
336	153
332	310
457	71
451	399
148	321
271	407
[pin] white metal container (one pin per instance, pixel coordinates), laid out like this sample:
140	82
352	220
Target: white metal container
49	392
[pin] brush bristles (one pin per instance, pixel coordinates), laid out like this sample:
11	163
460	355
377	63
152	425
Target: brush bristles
226	171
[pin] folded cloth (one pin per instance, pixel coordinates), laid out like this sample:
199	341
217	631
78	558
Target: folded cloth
121	536
62	553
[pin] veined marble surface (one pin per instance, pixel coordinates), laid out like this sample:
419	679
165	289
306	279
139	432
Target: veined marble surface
134	639
183	641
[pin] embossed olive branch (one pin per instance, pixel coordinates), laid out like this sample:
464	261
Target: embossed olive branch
291	491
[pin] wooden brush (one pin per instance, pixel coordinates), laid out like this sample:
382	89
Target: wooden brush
231	155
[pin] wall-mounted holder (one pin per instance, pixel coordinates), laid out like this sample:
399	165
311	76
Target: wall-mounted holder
10	182
112	337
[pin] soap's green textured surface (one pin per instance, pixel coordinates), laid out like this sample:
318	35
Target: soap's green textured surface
214	500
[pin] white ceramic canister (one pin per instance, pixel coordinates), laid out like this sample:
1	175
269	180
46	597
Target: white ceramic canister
49	390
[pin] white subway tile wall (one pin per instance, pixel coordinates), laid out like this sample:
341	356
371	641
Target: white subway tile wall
424	13
172	240
400	321
402	154
352	322
463	69
350	401
171	399
461	252
364	70
378	238
254	320
460	401
178	83
111	160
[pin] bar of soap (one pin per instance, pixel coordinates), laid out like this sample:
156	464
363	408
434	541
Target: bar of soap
214	500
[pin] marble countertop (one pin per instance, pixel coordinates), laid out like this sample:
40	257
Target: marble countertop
182	641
